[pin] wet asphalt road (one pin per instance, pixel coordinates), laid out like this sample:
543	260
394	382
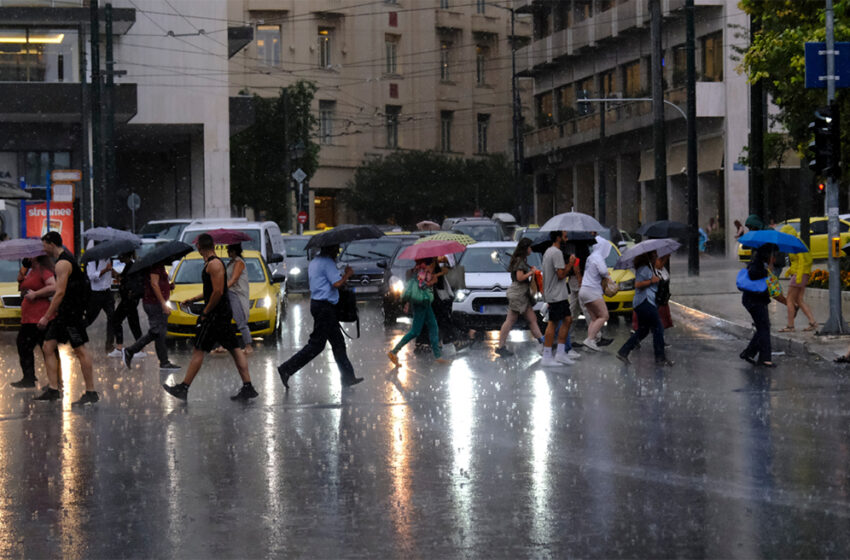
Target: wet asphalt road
482	458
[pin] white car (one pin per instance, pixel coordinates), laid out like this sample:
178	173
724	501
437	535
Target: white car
483	303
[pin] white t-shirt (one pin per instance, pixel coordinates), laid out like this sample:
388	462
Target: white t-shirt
99	283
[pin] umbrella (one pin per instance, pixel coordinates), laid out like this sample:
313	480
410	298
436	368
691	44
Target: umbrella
572	221
660	246
16	249
786	243
427	225
343	234
109	249
448	236
542	241
223	236
663	229
431	249
108	234
165	253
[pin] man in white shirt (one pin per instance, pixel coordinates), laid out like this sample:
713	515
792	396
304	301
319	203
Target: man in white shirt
100	277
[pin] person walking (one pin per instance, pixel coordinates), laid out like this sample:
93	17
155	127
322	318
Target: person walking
519	296
64	320
155	303
37	285
325	281
423	313
592	295
556	296
647	281
131	289
213	326
756	298
739	229
801	268
101	299
662	295
238	291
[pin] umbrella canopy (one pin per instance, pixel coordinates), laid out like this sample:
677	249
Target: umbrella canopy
572	221
17	249
786	243
431	249
109	249
108	234
663	229
165	253
223	236
543	242
448	236
343	234
660	246
427	225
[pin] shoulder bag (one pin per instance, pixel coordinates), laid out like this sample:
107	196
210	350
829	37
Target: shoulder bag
346	308
609	287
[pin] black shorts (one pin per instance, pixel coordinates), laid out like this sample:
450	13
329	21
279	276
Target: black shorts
215	331
67	329
559	310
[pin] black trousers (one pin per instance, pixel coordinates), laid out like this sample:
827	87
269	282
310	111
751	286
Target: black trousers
325	329
128	308
29	338
102	301
648	321
760	342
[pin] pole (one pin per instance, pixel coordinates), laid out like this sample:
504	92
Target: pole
98	210
835	324
300	205
287	164
85	190
693	187
47	189
756	148
516	128
600	165
658	132
109	129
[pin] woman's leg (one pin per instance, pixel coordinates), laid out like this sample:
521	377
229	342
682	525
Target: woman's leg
415	328
654	324
510	319
791	303
531	317
801	303
433	331
599	312
27	341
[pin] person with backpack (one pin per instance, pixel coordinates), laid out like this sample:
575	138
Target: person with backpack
64	320
131	288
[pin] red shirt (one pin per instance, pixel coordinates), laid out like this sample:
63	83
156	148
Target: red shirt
164	285
36	279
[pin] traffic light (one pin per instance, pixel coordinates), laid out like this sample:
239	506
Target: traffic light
821	187
825	149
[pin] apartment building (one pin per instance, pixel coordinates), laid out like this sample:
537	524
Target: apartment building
601	49
392	75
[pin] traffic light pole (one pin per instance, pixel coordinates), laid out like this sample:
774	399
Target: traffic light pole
835	324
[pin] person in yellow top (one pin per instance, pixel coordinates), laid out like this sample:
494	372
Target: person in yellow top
801	268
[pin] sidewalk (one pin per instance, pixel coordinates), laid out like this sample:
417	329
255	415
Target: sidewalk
712	296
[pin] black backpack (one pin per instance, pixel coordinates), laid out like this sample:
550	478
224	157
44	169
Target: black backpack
346	308
133	285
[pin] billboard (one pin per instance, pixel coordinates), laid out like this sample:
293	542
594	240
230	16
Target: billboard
61	220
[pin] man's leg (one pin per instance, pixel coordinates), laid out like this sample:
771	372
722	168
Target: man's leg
133	318
335	337
27	341
565	330
549	335
241	364
109	309
315	344
51	363
121	313
93	309
158	322
84	356
194	365
150	310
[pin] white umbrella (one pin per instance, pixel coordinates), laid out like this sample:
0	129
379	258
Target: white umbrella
572	221
660	246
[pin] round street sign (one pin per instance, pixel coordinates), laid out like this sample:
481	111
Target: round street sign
134	201
302	217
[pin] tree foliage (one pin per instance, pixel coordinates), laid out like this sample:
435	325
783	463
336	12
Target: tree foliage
257	154
406	187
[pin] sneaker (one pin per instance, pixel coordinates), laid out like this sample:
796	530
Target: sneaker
572	354
590	345
246	392
561	357
550	362
89	397
179	391
49	395
116	353
126	357
623	358
604	341
284	376
169	366
351	382
504	352
23	383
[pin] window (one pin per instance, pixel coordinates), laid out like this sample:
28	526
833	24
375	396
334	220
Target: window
480	6
631	79
391	42
582	10
608	83
483	125
444	4
392	114
481	55
545	115
561	15
446	118
542	23
40	164
268	44
325	36
566	103
445	57
712	57
585	90
326	120
680	65
38	55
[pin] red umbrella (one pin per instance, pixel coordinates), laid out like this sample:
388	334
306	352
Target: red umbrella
224	236
430	249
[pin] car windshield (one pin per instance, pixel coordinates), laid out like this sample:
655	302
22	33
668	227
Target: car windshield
254	234
479	232
189	271
369	249
145	249
295	247
612	258
166	230
9	271
492	259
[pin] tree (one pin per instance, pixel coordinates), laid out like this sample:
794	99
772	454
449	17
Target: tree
406	187
257	154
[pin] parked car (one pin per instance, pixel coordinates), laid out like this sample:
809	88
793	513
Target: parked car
369	258
267	303
265	238
295	264
507	222
165	229
10	295
480	229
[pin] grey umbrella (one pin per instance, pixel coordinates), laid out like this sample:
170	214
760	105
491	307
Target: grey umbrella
660	246
572	221
109	249
343	234
108	234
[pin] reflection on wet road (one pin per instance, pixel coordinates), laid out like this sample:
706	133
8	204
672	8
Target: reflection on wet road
484	457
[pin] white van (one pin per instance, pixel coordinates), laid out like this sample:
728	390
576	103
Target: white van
265	238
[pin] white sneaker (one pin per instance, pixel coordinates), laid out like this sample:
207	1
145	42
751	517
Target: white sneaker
573	354
116	353
550	362
561	357
591	344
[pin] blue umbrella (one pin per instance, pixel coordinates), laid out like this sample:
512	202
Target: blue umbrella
786	243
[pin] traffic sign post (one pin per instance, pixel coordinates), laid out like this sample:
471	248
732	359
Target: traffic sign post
299	176
302	217
134	201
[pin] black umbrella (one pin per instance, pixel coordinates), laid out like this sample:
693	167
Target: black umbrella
663	229
343	234
110	249
162	254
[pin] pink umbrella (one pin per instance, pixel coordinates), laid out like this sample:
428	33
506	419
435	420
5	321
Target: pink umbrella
428	225
16	249
430	249
224	236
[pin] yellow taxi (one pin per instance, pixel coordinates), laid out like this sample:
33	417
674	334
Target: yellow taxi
267	304
10	295
621	302
819	234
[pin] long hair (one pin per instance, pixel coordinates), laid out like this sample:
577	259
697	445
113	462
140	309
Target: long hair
520	253
642	260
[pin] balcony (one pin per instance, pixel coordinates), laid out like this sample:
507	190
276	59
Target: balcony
449	20
488	25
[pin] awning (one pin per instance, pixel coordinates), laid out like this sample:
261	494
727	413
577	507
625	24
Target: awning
12	193
677	159
647	166
710	154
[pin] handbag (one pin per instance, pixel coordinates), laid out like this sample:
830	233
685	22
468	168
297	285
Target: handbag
415	294
609	287
774	288
744	284
346	308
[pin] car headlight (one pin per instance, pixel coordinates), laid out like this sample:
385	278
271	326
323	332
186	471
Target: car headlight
396	285
264	302
460	295
627	285
172	305
295	271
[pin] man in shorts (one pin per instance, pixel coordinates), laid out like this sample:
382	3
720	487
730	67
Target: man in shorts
64	320
556	295
213	327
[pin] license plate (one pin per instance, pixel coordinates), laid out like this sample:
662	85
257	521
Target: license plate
365	289
493	309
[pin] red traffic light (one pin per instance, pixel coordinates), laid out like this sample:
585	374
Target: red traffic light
821	187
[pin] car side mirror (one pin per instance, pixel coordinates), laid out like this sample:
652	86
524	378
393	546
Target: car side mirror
275	258
278	278
381	264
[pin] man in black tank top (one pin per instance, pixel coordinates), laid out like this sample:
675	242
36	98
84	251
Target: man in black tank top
65	321
214	325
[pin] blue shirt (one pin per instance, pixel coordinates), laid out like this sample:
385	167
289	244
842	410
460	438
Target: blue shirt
323	274
643	274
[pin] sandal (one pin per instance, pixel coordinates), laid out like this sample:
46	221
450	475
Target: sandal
766	364
842	360
787	329
811	327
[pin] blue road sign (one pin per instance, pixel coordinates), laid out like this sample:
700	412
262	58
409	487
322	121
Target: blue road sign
816	65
